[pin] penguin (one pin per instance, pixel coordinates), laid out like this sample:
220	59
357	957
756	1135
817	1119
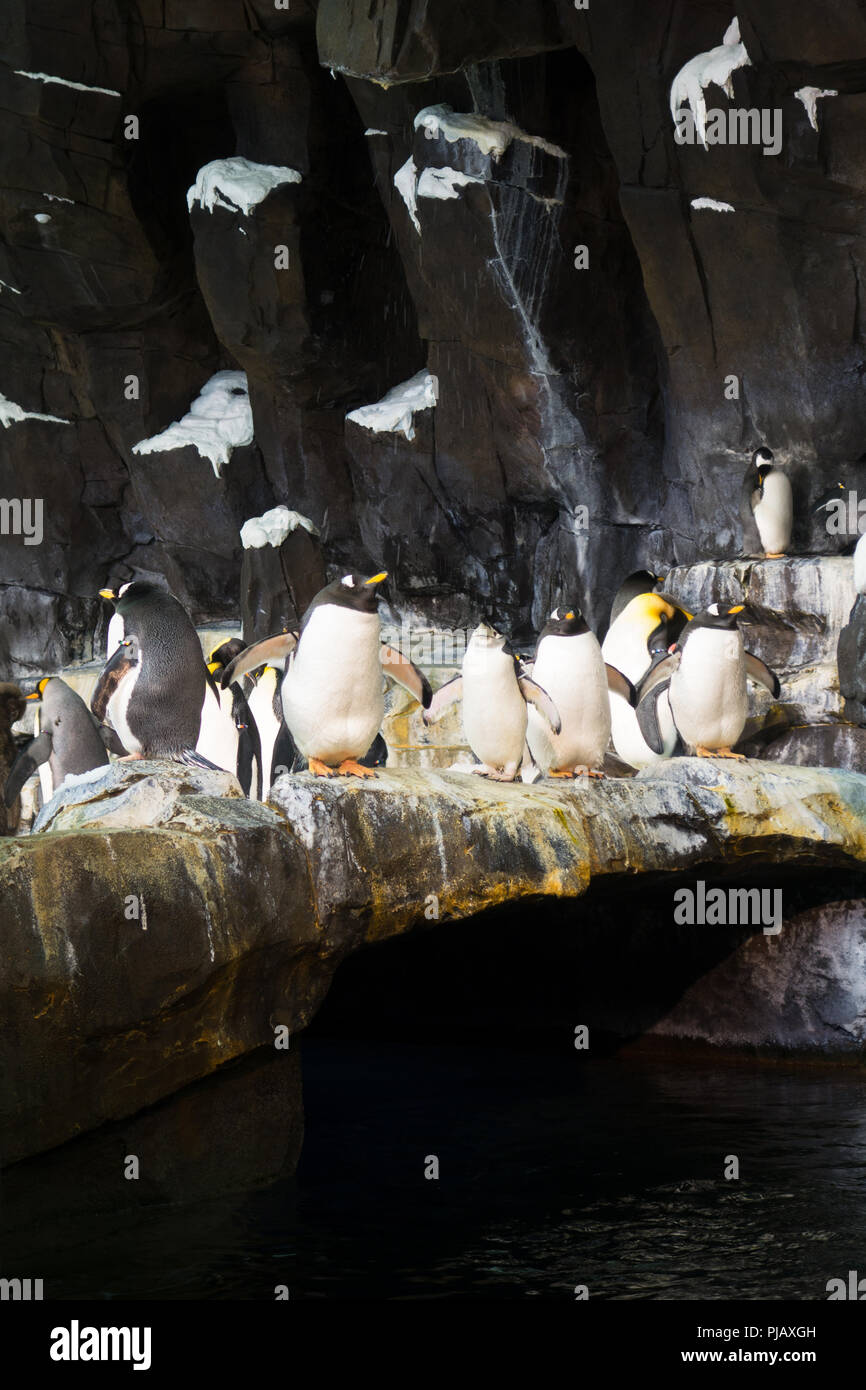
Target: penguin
12	706
153	687
332	691
705	677
570	667
67	743
640	582
495	689
767	495
648	625
229	734
860	565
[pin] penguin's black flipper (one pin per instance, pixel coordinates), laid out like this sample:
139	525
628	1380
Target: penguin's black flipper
762	674
264	653
648	717
188	757
446	695
377	754
24	766
533	694
620	684
111	741
402	670
122	662
661	669
249	742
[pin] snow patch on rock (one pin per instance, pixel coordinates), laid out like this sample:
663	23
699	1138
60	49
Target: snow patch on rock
64	82
491	137
237	184
711	205
271	528
714	67
12	414
394	412
810	96
443	183
405	181
220	419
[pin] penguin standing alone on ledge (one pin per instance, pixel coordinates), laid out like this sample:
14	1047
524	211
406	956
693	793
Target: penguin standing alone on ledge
767	495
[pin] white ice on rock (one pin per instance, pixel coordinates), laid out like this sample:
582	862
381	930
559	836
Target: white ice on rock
443	183
394	412
271	528
237	184
714	67
810	96
491	137
711	205
219	420
64	82
405	181
4	286
78	779
12	414
372	130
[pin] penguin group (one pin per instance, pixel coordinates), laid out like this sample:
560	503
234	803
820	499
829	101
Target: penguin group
658	681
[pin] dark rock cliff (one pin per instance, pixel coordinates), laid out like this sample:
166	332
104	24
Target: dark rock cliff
557	388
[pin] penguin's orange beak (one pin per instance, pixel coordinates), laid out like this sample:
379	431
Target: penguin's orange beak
739	608
377	578
107	593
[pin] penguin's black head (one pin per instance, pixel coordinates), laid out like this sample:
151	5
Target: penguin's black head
717	616
565	621
129	594
226	652
762	461
351	591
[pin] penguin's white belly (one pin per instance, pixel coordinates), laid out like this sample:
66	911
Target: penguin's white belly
627	738
46	776
494	710
860	566
333	691
117	710
115	635
218	734
572	672
261	703
625	648
708	693
774	514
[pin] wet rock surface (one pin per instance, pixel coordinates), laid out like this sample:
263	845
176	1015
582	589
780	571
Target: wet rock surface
138	960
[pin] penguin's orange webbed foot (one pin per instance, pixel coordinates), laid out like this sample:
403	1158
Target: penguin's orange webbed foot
320	769
562	772
350	768
702	752
774	554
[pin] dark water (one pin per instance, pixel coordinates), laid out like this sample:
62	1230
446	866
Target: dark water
554	1172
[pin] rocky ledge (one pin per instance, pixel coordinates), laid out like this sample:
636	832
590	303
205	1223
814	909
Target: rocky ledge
161	926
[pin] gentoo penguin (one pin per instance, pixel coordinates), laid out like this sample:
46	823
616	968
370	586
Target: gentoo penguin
153	687
705	677
570	667
12	706
332	691
649	624
229	736
68	741
495	688
767	494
